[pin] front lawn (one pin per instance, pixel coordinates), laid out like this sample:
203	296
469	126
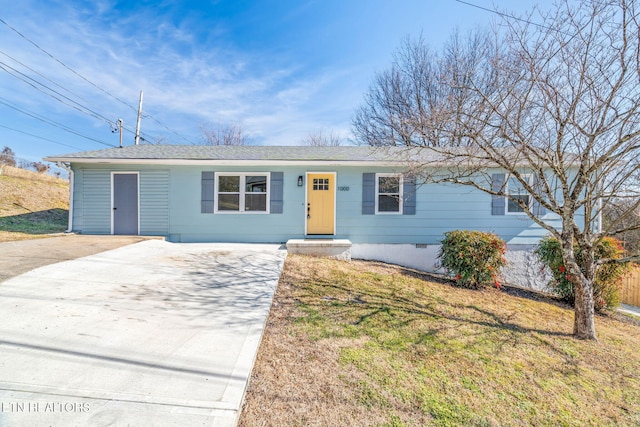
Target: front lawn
366	343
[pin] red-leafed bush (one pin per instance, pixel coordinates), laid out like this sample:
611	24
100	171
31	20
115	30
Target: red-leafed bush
473	257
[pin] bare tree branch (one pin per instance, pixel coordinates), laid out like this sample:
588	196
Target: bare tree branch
320	138
558	101
220	134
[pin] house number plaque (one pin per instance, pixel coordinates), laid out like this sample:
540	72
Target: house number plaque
343	188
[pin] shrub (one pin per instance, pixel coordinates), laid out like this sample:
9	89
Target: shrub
7	156
606	288
473	256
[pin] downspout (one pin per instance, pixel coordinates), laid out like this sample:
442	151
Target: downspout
66	167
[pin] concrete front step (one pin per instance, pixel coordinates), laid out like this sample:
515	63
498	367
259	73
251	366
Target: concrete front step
327	248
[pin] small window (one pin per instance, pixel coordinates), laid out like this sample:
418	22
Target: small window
321	184
388	193
245	192
517	194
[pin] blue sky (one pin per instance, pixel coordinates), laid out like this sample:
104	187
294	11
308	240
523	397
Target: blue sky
282	69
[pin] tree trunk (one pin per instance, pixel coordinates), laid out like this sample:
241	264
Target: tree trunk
582	272
584	326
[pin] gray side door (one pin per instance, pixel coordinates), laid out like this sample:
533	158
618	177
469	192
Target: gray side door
125	203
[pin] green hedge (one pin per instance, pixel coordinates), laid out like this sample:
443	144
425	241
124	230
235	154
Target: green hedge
473	257
606	289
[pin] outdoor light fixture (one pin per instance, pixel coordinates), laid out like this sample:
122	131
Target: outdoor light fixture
300	181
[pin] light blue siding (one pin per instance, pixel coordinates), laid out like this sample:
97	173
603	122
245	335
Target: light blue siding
154	202
96	203
78	199
92	199
170	205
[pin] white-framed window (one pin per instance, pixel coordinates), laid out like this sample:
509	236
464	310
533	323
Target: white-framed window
515	192
389	193
242	192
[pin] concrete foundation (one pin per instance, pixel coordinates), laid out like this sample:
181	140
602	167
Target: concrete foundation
523	268
327	248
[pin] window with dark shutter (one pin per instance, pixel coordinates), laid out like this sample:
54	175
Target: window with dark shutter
207	185
368	193
409	194
497	202
277	192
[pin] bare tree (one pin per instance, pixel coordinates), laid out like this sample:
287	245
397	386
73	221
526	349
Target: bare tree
410	103
7	156
220	134
554	110
619	213
319	138
41	167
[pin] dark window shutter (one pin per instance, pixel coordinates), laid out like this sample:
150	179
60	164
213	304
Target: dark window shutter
536	207
409	195
207	184
368	193
497	202
277	191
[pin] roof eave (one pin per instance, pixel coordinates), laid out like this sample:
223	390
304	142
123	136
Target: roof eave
224	162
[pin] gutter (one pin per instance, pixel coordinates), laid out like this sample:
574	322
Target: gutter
226	162
67	167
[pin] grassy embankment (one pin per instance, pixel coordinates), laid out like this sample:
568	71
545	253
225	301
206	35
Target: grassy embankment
369	344
32	205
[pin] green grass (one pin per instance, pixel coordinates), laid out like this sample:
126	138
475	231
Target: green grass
31	205
43	222
413	352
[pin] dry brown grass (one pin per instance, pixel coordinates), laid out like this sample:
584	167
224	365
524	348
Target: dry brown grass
372	344
30	175
32	205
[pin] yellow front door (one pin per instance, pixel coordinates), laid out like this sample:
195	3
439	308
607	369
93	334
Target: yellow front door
321	203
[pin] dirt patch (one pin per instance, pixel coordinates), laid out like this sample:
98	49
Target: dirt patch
294	381
21	256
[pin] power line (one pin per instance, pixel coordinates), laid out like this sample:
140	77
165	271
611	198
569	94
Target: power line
173	132
87	80
41	75
53	123
81	108
504	15
66	66
40	137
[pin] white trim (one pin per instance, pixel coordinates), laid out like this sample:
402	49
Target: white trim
177	162
72	185
138	195
335	201
71	190
242	192
529	177
401	195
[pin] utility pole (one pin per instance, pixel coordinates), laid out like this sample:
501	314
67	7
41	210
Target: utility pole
139	120
120	127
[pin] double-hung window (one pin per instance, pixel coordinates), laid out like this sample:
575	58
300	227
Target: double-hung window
389	193
242	192
516	194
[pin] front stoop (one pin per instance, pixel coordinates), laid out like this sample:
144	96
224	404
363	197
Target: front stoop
327	248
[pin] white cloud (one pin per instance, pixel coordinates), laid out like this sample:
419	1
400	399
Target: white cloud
186	83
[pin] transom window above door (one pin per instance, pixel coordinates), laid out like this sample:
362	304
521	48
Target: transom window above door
242	193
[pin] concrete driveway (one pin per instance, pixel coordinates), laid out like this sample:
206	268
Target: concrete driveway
25	255
153	333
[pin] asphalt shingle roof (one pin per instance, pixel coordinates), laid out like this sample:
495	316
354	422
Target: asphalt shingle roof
249	153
